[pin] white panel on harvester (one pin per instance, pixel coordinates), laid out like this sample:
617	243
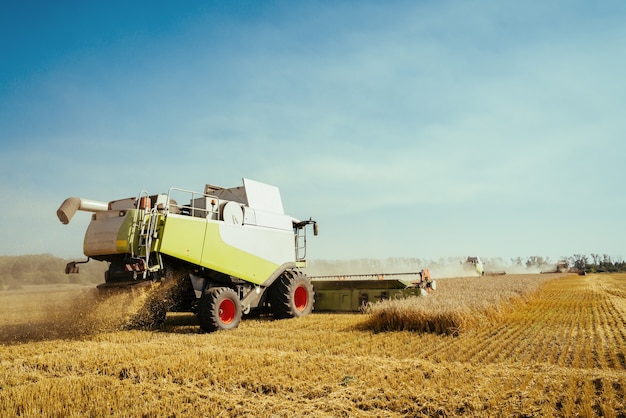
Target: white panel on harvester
263	196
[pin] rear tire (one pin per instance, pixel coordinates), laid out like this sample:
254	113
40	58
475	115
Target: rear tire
292	295
219	309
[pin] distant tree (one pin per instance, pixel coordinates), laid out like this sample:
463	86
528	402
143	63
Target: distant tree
536	261
607	264
596	259
516	261
579	261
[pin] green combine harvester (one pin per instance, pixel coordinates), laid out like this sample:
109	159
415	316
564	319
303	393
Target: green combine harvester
230	251
222	253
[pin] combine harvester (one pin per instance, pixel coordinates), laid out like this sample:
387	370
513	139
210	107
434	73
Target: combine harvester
222	253
475	264
563	267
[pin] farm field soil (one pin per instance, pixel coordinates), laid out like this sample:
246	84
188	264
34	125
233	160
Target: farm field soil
559	353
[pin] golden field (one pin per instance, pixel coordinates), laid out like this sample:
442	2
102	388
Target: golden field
526	345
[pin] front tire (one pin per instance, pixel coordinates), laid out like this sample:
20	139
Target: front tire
219	309
292	295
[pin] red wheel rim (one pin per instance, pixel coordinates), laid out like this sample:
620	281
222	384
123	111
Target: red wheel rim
227	311
301	298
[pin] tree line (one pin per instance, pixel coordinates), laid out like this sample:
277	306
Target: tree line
597	263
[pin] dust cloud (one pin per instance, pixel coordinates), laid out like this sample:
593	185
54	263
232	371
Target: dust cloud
452	270
459	270
41	313
442	269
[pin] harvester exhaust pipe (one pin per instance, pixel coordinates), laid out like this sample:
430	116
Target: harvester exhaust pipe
68	208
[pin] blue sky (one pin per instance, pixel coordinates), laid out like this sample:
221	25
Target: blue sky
420	129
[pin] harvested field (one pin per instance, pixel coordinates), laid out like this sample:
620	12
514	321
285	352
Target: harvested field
556	350
457	306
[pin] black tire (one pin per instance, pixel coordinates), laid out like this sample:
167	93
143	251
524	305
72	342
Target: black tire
219	309
292	295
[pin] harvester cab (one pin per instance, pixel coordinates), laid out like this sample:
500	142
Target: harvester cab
230	250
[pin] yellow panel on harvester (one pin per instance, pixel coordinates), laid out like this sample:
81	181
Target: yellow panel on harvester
183	237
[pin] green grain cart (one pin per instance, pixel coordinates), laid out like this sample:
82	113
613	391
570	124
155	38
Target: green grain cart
231	250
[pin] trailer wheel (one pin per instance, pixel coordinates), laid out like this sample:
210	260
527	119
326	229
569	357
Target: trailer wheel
291	295
219	309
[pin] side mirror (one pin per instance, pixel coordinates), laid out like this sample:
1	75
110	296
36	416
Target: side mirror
71	268
315	229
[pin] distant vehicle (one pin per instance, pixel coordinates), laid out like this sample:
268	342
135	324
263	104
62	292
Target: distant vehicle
561	267
474	263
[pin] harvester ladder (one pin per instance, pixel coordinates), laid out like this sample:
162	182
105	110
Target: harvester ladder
146	235
300	244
